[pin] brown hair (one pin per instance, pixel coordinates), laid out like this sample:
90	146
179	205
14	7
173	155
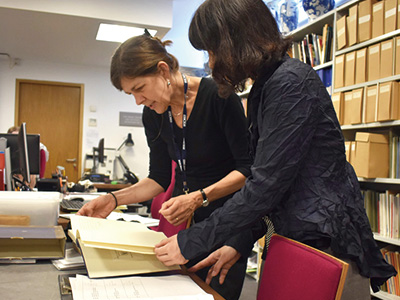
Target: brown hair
243	37
139	56
12	129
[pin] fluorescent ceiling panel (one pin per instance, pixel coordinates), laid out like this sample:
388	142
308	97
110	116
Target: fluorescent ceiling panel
118	33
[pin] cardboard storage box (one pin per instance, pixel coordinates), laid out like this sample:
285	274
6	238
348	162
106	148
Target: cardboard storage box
397	56
337	101
339	71
347	108
41	207
374	57
390	15
398	15
352	22
370	104
371	155
356	106
386	65
341	32
349	73
38	242
361	66
378	13
365	20
388	101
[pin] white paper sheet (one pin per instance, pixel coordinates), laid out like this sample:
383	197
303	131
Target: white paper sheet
172	287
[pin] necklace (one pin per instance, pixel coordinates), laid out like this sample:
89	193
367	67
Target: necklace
187	88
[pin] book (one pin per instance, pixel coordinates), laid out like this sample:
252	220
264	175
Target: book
115	248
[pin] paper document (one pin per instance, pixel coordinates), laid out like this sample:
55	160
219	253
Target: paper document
73	260
172	287
114	248
116	235
149	222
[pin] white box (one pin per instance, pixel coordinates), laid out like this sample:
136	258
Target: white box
41	207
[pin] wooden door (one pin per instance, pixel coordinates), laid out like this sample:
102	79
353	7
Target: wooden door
55	111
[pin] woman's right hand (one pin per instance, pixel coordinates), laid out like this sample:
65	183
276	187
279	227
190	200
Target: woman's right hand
100	207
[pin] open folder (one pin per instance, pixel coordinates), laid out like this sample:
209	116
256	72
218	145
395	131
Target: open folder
115	248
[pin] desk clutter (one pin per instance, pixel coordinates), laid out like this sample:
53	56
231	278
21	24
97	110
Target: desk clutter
170	287
121	245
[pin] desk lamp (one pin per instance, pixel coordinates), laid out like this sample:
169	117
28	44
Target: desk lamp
128	142
130	177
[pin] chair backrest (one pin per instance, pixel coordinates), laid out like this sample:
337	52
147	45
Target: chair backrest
293	270
42	168
167	228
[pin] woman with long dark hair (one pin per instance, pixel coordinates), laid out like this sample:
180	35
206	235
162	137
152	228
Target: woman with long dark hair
300	179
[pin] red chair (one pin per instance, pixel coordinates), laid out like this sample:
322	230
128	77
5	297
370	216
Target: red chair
42	168
293	270
164	226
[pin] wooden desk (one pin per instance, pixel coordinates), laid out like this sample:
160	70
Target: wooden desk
39	281
108	187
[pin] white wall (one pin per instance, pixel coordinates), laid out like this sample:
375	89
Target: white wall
98	89
99	92
188	56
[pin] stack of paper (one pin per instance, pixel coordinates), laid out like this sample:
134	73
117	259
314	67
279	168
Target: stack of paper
173	287
115	248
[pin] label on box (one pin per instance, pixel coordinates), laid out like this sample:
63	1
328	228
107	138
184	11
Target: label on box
384	89
374	49
371	92
390	12
378	7
364	19
357	94
360	54
339	60
341	32
350	57
386	46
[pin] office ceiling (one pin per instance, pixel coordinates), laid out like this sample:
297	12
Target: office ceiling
41	36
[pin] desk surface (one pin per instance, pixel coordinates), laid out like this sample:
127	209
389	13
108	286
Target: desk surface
39	281
106	187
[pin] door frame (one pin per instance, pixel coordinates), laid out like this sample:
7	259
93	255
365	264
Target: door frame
81	97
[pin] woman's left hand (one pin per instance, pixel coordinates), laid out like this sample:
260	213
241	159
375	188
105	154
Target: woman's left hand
220	260
178	209
168	252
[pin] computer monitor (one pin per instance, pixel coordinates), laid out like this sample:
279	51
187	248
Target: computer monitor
33	145
99	158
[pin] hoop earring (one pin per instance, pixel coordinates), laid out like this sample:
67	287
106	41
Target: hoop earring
168	82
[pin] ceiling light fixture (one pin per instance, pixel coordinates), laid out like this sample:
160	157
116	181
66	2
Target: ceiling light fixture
119	33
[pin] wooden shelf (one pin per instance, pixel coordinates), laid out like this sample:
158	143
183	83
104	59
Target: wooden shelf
385	239
385	296
368	43
368	83
371	125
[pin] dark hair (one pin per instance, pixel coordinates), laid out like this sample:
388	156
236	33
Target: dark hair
242	35
12	129
139	56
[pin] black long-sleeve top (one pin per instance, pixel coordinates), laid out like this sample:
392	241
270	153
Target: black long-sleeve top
216	142
300	176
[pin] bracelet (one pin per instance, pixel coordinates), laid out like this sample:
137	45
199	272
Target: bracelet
115	198
205	199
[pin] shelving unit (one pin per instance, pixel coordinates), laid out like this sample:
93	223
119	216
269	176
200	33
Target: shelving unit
350	130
